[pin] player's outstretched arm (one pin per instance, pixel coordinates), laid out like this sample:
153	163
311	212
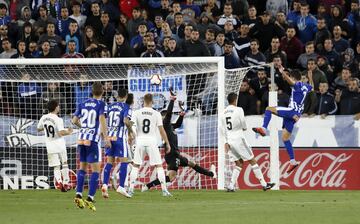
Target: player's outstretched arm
76	121
65	132
165	138
286	77
179	120
167	119
104	130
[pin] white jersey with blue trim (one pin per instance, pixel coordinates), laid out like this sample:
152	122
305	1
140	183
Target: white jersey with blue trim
298	94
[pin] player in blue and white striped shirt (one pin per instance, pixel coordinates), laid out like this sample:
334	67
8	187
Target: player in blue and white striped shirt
290	114
90	118
118	120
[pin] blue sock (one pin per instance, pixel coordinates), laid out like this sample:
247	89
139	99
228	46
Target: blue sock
94	182
107	170
289	149
80	177
267	118
123	173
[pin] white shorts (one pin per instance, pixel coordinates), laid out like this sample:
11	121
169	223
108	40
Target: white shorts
147	147
240	149
56	159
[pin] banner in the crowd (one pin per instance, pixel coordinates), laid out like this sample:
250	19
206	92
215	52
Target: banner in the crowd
139	84
319	169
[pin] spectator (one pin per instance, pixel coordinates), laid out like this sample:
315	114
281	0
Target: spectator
310	101
210	41
303	59
306	24
46	50
21	51
173	50
293	15
264	30
166	32
280	82
351	16
254	57
72	53
260	84
206	23
137	40
76	14
105	53
110	95
33	49
275	50
75	35
349	62
82	90
194	47
121	47
179	26
337	19
220	39
292	46
228	10
251	18
165	9
211	8
240	7
107	33
145	16
158	25
314	75
326	104
321	34
326	69
8	50
230	33
27	34
164	45
340	44
142	46
127	7
134	23
56	43
348	99
151	51
331	55
91	44
190	11
62	25
231	61
341	82
176	8
4	19
281	20
242	42
111	9
25	16
246	100
41	23
94	19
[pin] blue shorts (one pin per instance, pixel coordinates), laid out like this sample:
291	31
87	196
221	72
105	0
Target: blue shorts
287	114
90	154
118	148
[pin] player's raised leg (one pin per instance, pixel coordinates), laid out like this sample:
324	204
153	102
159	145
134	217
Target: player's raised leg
267	118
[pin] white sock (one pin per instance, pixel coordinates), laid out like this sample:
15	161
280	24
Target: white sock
57	174
234	177
133	176
293	162
65	173
126	183
257	171
161	177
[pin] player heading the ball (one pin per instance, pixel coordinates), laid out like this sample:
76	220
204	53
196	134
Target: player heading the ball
90	118
55	143
146	121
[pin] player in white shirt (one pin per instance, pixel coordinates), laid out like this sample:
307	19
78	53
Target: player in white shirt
233	125
146	121
55	143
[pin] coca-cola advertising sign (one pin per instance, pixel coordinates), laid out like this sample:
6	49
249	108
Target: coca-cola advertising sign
321	169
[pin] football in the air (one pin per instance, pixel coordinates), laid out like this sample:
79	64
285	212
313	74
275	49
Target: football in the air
155	79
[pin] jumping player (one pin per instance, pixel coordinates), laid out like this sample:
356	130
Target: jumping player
290	114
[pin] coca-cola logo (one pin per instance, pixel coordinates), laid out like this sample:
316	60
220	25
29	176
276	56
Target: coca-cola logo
320	169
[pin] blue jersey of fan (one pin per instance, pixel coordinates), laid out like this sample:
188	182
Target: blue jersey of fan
116	113
298	94
89	112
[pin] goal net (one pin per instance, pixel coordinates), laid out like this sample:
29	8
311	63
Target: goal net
28	84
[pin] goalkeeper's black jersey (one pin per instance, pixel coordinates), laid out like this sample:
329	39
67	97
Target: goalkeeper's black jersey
170	128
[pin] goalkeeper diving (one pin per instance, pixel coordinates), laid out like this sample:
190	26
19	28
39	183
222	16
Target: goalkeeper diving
173	158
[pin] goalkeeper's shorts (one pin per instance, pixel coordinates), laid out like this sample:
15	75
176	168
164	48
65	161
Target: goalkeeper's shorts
174	160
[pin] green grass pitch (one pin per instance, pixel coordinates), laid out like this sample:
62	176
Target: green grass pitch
190	206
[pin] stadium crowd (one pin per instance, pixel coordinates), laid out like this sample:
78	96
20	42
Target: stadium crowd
321	38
